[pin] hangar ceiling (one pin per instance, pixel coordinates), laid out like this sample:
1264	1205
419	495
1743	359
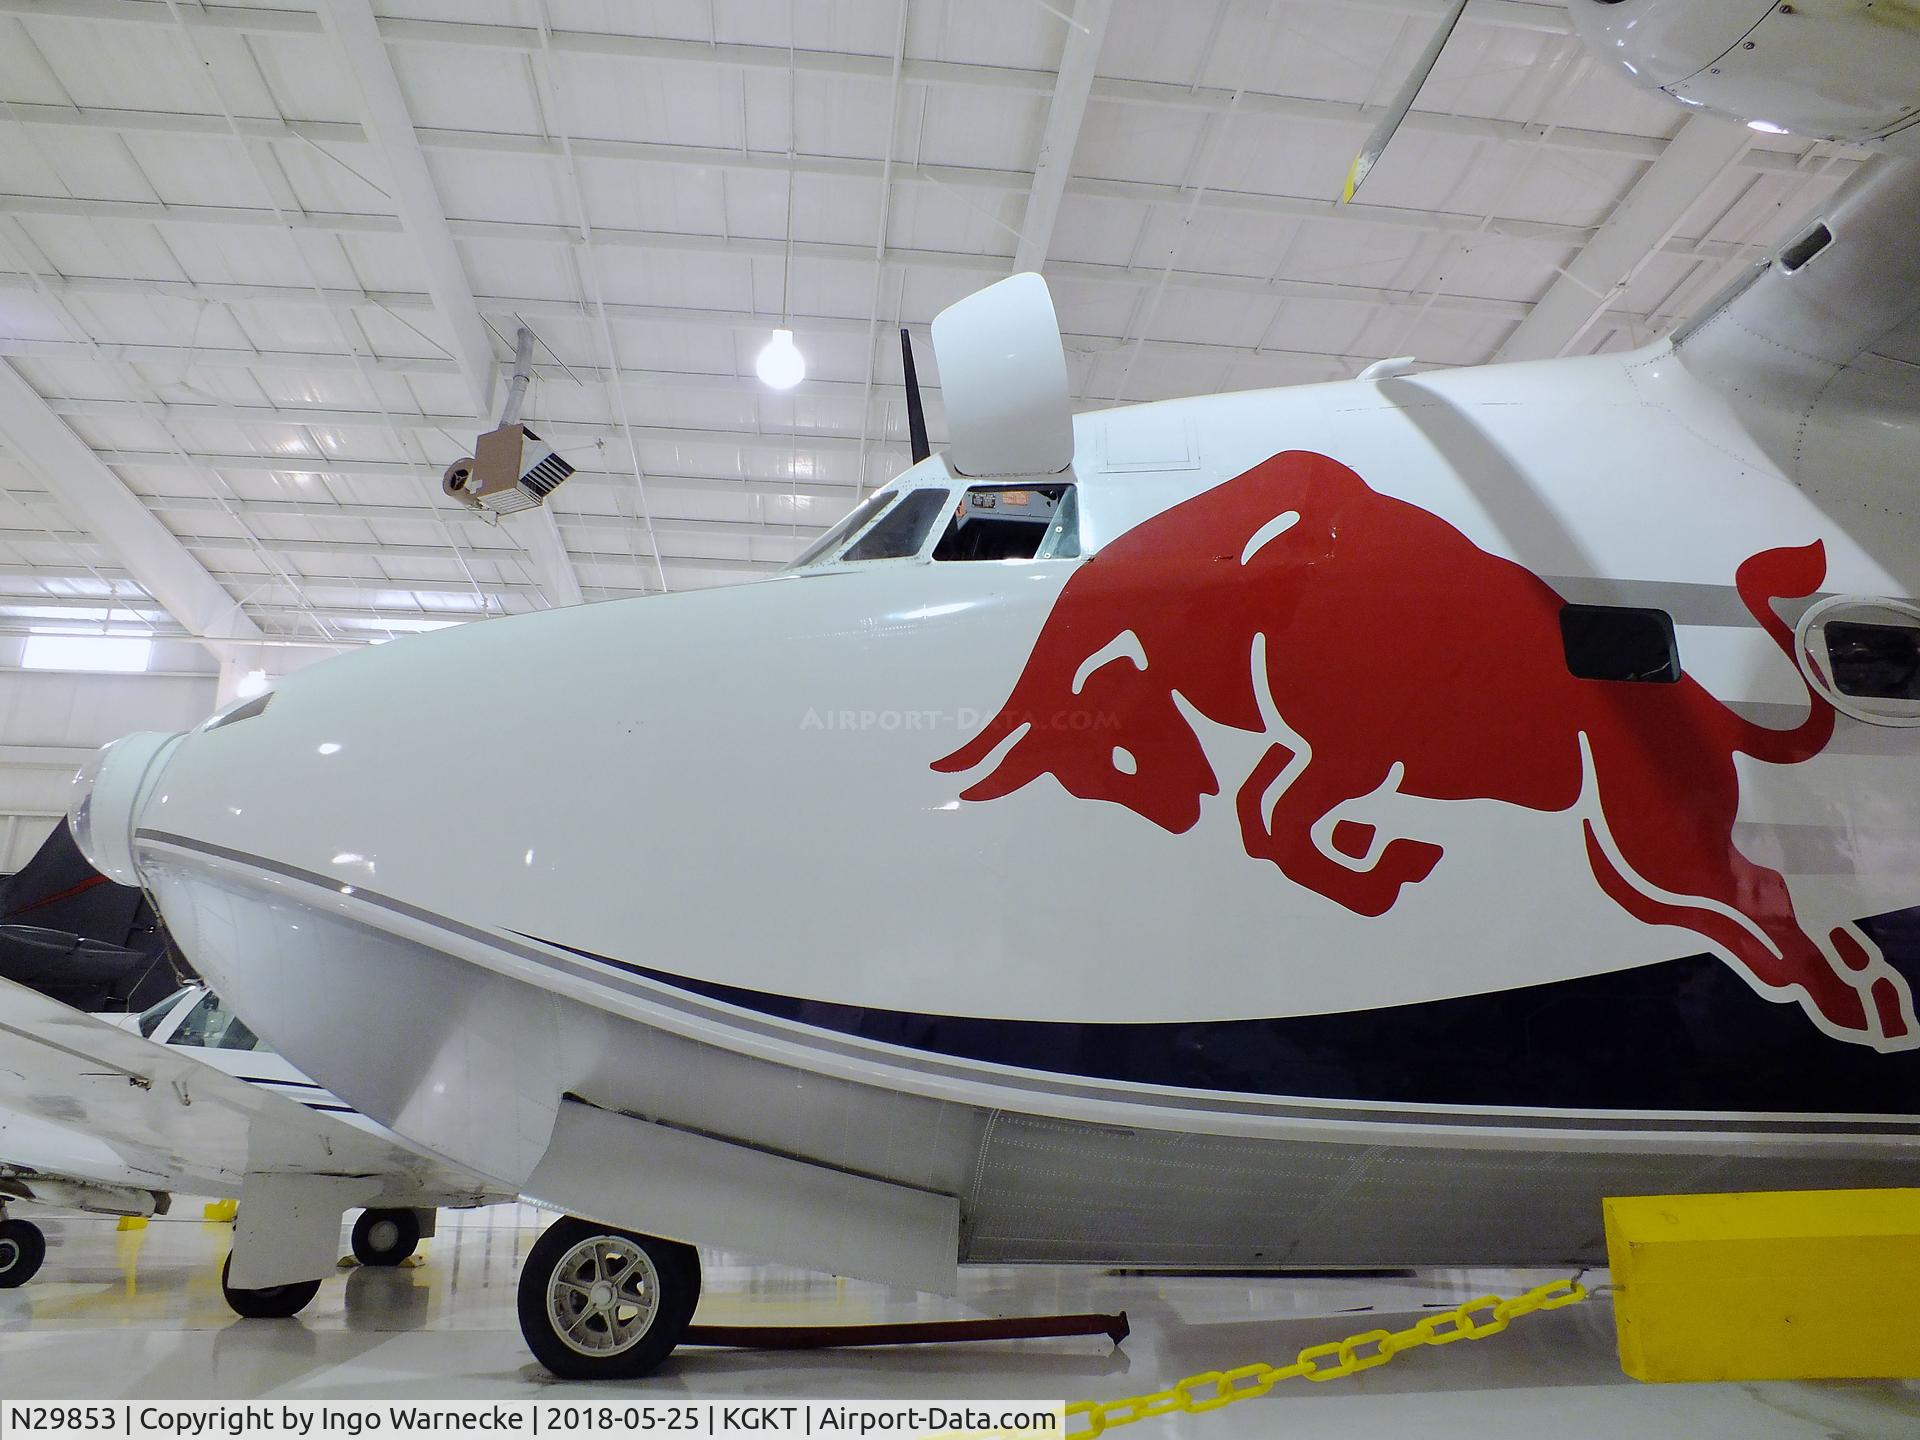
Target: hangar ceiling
264	261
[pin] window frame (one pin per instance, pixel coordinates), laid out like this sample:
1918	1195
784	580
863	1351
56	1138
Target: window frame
1814	655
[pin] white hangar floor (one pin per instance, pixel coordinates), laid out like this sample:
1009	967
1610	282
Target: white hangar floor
139	1314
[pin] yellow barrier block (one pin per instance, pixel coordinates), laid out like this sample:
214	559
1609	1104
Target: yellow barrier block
132	1222
220	1211
1787	1285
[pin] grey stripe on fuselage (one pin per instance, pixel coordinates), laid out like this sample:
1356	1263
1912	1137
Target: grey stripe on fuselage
1687	603
1720	607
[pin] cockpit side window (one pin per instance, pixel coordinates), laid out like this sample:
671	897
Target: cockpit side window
1013	522
903	530
151	1017
861	516
212	1026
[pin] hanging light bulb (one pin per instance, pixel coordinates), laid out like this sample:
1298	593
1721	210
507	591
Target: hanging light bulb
781	365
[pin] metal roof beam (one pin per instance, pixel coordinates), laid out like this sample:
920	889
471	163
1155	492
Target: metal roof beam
1705	149
372	584
429	365
1073	83
99	502
585	479
1547	18
551	427
398	515
776	444
879	68
497	554
262	583
658	241
1009	182
356	32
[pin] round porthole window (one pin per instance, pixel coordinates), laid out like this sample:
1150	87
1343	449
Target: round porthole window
1863	656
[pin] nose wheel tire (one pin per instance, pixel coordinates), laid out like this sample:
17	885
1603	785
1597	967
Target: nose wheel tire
385	1237
274	1302
22	1248
603	1304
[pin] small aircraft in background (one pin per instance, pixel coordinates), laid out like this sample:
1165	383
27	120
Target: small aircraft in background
119	1114
72	934
1360	823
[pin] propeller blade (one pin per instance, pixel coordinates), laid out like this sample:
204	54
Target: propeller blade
916	416
1402	103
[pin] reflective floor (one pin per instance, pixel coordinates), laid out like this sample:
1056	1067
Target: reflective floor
139	1314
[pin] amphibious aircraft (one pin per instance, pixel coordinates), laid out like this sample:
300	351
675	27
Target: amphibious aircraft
119	1114
1360	823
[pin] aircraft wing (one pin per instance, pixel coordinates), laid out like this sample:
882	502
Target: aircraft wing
1827	331
191	1127
36	1149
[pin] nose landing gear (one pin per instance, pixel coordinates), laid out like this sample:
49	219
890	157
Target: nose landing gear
598	1303
385	1237
274	1302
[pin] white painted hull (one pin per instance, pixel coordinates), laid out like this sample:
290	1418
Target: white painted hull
445	1034
691	859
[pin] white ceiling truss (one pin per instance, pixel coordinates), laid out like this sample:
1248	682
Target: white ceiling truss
261	265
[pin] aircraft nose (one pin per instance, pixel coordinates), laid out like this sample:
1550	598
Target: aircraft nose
108	793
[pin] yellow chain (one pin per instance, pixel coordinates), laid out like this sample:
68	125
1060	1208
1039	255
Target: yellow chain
1200	1393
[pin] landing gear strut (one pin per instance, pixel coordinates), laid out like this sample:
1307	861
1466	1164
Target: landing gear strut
385	1237
275	1302
22	1248
603	1304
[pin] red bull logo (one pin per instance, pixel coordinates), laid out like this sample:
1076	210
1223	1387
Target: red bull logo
1377	647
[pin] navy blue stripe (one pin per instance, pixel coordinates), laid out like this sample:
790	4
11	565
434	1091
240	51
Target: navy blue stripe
1685	1034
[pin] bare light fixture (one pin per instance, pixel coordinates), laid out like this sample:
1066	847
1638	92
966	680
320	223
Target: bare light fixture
780	364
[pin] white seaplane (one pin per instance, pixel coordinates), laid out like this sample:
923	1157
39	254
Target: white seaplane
1360	823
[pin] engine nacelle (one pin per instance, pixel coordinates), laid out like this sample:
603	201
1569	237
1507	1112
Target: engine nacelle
1828	69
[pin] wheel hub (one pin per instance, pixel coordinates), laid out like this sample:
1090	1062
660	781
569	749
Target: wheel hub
384	1235
9	1254
603	1296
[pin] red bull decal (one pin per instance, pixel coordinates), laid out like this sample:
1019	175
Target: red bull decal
1377	647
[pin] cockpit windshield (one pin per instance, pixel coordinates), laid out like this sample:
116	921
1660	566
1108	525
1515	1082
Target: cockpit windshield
987	521
857	520
903	530
879	528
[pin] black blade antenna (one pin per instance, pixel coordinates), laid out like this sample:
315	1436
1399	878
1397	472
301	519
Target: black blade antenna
916	415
